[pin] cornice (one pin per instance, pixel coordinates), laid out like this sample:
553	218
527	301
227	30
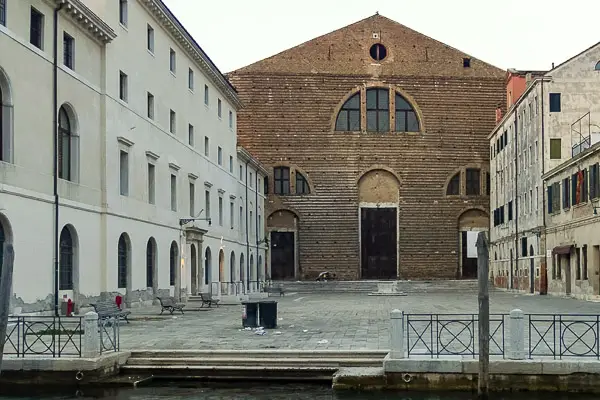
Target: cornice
86	19
162	14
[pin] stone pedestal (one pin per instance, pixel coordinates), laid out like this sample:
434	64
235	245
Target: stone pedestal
516	335
91	336
397	334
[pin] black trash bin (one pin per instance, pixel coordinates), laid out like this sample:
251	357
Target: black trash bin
268	314
249	314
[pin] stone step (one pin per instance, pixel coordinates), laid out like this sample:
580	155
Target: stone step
256	362
263	354
371	286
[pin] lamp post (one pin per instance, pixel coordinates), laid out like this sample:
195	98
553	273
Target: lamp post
182	222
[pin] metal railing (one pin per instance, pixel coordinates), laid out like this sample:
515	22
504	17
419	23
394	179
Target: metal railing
237	288
47	336
110	338
516	335
451	334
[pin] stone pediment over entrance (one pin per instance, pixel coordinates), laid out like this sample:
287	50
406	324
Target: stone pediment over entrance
193	234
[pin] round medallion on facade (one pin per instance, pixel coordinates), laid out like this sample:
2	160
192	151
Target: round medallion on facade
378	52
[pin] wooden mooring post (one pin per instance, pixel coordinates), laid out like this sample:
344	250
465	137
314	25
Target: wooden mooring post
483	262
5	284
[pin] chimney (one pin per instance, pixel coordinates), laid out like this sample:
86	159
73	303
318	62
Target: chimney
498	114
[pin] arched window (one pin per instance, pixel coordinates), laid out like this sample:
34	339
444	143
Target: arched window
173	256
6	119
150	262
207	265
597	68
453	188
2	135
65	134
301	184
348	118
122	261
406	118
232	267
242	268
2	240
66	260
378	110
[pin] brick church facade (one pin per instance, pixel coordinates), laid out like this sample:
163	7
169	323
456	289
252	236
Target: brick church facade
375	138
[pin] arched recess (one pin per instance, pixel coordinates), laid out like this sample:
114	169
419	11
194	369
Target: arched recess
68	143
597	67
194	268
6	236
242	268
124	265
470	223
378	196
453	185
207	267
68	277
173	262
151	265
221	265
260	269
6	119
282	227
252	272
348	117
232	267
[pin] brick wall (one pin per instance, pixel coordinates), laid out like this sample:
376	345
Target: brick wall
288	119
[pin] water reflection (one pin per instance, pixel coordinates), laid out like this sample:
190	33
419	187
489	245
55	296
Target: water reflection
279	392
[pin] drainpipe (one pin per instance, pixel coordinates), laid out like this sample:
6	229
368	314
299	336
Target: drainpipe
256	223
543	264
55	150
247	235
516	200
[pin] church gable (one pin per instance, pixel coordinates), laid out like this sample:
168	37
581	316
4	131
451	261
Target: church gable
375	46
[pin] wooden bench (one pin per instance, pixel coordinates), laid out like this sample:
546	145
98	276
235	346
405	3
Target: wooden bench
108	309
170	304
208	300
275	289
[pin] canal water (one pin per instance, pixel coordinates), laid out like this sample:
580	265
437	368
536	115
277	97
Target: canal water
270	392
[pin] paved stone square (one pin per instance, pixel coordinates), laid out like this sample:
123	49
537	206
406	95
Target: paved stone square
348	321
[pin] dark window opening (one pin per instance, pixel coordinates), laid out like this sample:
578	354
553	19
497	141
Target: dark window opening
172	263
555	105
301	184
466	62
406	118
487	184
266	185
149	264
64	144
566	193
3	12
510	210
281	180
524	247
473	182
66	260
349	117
453	188
597	67
123	262
36	28
378	110
68	51
378	52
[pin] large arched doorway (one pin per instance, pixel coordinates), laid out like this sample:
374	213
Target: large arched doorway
151	267
68	260
6	118
5	238
207	269
470	223
124	265
378	194
283	229
194	267
173	257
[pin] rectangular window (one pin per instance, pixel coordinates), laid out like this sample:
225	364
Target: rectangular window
578	265
192	199
172	122
191	79
231	164
206	146
150	105
68	51
124	173
550	200
241	172
219	108
123	86
530	200
173	192
36	29
566	193
151	184
524	247
220	155
123	12
266	185
595	181
555	149
3	12
251	223
207	203
220	211
173	61
231	214
251	180
282	180
585	262
473	182
555	105
206	94
190	134
487	184
230	120
241	219
510	210
150	38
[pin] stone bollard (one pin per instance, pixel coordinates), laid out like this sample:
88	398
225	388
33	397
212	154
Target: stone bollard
397	335
91	336
516	333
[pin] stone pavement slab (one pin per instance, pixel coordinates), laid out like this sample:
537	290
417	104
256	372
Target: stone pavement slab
345	321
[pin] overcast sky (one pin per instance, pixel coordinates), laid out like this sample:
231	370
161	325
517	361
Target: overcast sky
523	34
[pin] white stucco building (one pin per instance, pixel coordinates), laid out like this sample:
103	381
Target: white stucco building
539	132
146	136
